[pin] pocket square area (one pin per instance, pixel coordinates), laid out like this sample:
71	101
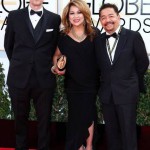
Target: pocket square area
49	30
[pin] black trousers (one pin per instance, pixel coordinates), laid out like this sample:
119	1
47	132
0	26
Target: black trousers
42	100
120	125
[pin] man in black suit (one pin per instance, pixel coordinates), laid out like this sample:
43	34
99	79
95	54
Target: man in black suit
30	41
123	61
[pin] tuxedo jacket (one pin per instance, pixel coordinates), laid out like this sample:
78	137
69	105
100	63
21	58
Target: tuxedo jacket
122	80
24	52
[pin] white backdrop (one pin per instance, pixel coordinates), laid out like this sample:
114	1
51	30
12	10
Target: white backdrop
135	14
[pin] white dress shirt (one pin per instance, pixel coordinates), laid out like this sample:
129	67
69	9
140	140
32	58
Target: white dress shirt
34	18
111	41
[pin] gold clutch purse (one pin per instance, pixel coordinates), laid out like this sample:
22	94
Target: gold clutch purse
61	62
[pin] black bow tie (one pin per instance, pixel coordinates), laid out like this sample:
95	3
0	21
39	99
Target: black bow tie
114	35
39	13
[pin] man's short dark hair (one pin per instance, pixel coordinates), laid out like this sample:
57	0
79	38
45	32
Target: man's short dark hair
109	5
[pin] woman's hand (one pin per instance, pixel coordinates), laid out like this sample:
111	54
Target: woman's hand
55	70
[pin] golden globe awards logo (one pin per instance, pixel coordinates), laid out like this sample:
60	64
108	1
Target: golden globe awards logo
5	7
134	13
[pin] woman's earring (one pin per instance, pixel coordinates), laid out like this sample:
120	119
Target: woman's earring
70	24
84	23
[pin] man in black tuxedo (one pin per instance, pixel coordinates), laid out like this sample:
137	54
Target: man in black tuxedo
30	41
123	61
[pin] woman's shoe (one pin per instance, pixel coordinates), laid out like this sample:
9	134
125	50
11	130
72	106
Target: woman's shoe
89	148
82	148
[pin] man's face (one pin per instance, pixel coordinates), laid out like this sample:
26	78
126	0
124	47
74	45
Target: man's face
36	3
110	20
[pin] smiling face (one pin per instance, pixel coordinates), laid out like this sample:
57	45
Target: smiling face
76	17
110	20
36	4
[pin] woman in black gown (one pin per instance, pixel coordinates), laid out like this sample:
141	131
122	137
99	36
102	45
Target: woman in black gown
81	76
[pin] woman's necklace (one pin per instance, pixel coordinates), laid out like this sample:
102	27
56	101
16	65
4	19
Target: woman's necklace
79	38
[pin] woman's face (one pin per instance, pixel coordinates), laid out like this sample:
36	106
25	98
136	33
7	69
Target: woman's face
76	17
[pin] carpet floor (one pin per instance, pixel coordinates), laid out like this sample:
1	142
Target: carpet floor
58	130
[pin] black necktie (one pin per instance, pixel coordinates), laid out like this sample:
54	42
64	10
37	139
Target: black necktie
114	35
39	13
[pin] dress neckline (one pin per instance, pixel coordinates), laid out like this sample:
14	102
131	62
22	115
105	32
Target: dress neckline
75	40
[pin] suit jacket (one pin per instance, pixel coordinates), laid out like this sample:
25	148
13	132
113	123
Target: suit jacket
124	79
24	52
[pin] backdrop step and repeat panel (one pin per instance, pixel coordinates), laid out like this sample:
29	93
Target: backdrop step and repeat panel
134	14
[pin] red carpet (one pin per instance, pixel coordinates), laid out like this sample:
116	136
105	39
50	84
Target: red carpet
144	138
6	148
12	149
57	142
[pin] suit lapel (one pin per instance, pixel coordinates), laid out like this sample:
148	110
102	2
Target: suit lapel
120	45
43	27
28	22
104	49
30	27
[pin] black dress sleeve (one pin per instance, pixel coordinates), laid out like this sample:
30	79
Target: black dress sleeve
60	42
